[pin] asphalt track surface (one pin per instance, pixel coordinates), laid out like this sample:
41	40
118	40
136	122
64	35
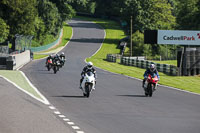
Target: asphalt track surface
20	113
118	104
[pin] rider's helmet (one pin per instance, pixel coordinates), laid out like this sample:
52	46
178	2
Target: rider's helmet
62	53
89	65
152	67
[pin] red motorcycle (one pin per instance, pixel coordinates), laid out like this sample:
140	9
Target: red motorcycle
49	64
151	85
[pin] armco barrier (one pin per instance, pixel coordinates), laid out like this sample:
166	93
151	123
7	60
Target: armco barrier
137	62
42	48
111	58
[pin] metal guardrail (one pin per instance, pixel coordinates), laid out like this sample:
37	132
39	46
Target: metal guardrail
45	47
111	58
139	62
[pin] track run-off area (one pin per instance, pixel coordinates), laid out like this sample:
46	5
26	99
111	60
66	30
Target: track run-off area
118	104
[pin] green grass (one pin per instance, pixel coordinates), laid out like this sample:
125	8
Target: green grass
39	56
113	35
169	62
18	78
48	39
67	33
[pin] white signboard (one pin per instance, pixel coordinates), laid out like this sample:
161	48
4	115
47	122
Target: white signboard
181	37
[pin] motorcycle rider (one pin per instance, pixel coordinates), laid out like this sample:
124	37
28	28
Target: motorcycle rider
48	58
87	68
151	70
62	56
56	58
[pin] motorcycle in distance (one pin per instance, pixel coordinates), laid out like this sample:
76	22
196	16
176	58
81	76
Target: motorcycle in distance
49	64
56	65
150	84
88	83
62	61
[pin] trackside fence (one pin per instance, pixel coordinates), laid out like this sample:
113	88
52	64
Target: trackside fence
111	57
45	47
142	63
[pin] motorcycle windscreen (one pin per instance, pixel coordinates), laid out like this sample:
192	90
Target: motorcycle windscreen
89	73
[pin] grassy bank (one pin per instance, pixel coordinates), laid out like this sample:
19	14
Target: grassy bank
67	33
113	35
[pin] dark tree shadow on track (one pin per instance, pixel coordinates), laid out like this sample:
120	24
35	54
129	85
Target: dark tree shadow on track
132	95
96	40
86	25
42	70
64	96
47	72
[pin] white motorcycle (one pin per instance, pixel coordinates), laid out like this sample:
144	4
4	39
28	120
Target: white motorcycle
88	84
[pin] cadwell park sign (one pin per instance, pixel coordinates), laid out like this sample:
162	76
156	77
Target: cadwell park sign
188	58
178	37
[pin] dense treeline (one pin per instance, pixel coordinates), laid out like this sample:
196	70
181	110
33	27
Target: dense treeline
148	14
42	18
39	18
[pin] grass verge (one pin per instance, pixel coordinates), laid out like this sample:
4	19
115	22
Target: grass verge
18	78
67	33
113	35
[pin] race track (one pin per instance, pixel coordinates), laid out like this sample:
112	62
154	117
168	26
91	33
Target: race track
118	104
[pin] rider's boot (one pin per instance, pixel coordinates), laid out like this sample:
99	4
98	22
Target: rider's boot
155	87
93	89
81	80
143	83
94	86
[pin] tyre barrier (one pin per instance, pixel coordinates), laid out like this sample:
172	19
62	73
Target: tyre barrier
142	63
111	58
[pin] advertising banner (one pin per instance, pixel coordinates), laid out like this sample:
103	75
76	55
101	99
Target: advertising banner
180	37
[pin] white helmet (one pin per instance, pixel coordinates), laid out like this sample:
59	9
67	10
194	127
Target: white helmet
152	67
62	53
89	64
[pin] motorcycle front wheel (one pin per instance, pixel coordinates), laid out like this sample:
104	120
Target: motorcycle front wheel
54	69
150	90
48	67
88	89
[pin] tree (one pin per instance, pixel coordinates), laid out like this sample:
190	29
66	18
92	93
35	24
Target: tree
149	14
65	9
188	11
84	6
139	48
20	15
50	16
104	8
4	30
197	15
158	14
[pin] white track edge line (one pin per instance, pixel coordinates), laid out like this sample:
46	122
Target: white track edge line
44	99
23	90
